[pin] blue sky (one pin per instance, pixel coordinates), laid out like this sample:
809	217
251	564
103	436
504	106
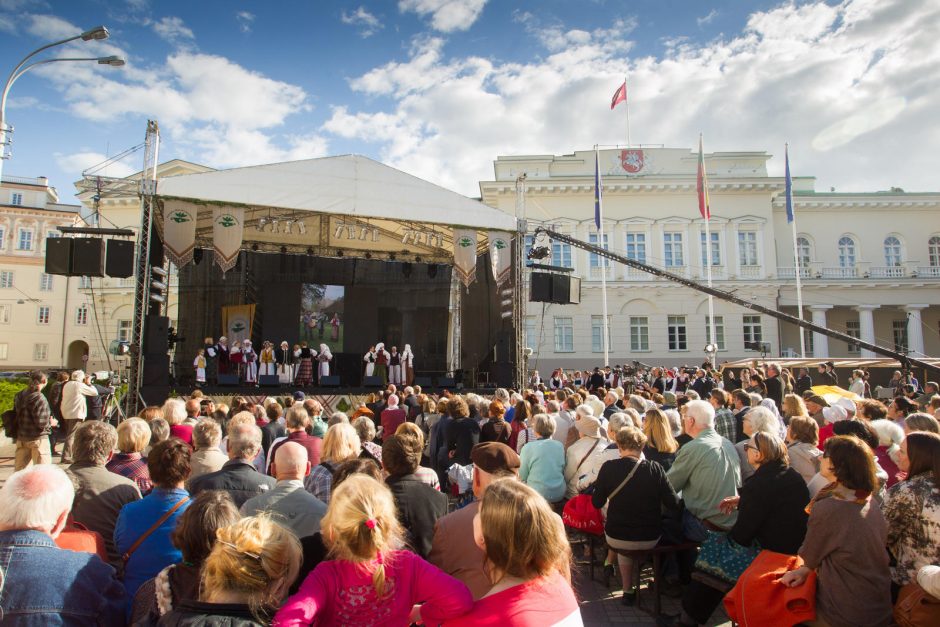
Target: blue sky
439	88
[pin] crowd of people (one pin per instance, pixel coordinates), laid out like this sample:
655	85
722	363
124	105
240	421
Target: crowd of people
444	509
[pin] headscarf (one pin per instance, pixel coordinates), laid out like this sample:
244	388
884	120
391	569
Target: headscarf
380	347
392	401
770	405
325	350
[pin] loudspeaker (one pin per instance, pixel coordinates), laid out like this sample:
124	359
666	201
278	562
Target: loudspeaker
331	381
119	261
574	291
88	256
59	255
504	341
540	287
269	381
156	370
371	382
446	382
424	382
561	284
156	329
228	379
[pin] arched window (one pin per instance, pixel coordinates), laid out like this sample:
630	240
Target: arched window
846	252
892	251
804	251
933	251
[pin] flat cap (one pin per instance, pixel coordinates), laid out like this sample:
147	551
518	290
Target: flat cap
494	457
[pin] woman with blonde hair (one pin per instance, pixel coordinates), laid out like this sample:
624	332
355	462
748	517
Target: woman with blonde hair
340	444
802	446
369	578
793	405
246	576
527	559
133	437
661	446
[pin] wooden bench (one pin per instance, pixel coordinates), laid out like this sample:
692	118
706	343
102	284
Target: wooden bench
657	553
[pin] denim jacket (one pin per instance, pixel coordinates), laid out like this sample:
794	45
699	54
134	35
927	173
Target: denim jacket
44	585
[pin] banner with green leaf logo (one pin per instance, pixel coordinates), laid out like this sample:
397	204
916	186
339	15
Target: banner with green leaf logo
179	234
227	233
465	255
500	256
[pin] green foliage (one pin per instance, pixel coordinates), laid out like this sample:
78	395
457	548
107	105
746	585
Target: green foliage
9	389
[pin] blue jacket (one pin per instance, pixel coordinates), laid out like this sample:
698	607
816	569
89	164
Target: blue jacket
157	551
47	586
543	468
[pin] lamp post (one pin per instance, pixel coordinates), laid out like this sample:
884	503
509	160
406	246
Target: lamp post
95	34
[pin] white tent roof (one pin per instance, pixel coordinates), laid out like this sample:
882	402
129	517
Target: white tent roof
350	185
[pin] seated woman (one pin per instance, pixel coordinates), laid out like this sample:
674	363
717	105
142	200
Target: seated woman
661	446
151	553
634	491
496	429
758	419
912	508
802	449
369	578
543	461
194	536
133	438
527	558
245	577
771	515
845	540
425	474
340	444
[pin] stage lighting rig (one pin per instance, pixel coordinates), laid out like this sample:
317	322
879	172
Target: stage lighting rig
539	252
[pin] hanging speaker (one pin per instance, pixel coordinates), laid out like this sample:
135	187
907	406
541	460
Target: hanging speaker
119	260
59	255
88	256
540	287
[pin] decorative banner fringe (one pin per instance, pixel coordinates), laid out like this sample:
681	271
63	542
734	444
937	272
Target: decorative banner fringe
500	256
465	255
227	232
179	235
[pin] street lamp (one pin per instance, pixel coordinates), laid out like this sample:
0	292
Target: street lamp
93	34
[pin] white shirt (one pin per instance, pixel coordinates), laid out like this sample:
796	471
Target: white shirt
73	400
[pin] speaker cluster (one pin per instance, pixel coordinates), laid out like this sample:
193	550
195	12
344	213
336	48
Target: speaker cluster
89	256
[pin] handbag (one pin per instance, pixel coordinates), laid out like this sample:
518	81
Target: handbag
758	599
916	607
579	512
723	558
9	423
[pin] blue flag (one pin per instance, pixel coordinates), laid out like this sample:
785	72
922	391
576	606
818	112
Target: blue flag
789	184
597	191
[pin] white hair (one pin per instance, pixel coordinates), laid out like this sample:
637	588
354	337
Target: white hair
635	416
890	435
35	497
701	412
618	421
584	410
675	421
762	419
244	442
174	411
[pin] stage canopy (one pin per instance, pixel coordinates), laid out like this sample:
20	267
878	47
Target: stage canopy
347	205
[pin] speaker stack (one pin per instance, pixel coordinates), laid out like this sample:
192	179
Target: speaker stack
561	289
89	256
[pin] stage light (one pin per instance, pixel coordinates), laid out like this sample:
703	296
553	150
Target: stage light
197	256
288	226
338	231
363	232
406	269
274	225
432	270
283	249
254	247
368	255
539	252
417	259
391	256
301	227
261	223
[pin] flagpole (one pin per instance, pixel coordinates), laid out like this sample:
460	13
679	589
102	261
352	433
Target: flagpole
604	262
796	250
708	259
627	103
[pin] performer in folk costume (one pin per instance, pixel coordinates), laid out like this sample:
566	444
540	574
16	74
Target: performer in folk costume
381	362
394	367
369	359
266	359
305	373
555	382
208	346
237	360
223	356
335	324
295	370
250	358
284	358
324	359
320	322
407	365
200	365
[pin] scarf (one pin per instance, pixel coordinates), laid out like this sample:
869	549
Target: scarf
836	490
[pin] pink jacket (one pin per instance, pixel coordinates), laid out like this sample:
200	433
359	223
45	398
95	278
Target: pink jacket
341	593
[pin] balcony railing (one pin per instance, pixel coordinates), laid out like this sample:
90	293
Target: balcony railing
595	273
751	272
888	272
839	272
928	271
790	273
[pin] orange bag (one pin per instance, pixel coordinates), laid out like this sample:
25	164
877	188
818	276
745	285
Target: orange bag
916	608
758	599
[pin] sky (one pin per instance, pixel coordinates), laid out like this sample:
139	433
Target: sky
440	88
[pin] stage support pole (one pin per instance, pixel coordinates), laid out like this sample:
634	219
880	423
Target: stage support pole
454	330
518	288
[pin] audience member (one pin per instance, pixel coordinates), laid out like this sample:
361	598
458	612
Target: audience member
74	409
495	429
340	444
365	429
207	435
921	422
289	503
43	584
463	432
133	436
424	474
34	424
758	420
238	476
296	421
543	461
174	412
802	446
590	444
392	416
419	505
724	418
661	446
369	578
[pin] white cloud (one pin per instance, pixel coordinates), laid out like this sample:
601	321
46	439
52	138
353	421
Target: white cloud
854	88
50	27
80	161
707	19
173	29
447	16
367	23
245	20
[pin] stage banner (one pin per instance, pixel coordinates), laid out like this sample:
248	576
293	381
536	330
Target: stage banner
500	256
227	233
237	321
465	255
179	235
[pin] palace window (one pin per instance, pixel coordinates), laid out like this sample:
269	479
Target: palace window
42	315
853	328
747	248
933	251
636	247
564	335
804	252
672	250
40	352
639	333
892	251
752	329
715	249
676	332
81	315
45	282
846	252
719	331
597	334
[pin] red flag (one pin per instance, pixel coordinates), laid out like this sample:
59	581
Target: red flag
619	96
702	184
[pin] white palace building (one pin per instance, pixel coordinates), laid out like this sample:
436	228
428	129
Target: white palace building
870	262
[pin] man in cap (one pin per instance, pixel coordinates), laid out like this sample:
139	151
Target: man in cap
74	409
453	549
815	405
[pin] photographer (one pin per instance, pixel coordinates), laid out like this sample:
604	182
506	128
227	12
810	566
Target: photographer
96	403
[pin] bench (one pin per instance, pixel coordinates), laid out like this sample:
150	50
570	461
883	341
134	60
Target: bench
656	553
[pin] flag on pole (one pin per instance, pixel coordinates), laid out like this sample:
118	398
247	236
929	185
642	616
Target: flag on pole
597	191
619	96
702	183
789	183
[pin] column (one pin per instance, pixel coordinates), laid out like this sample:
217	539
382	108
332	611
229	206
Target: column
820	341
915	329
866	324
